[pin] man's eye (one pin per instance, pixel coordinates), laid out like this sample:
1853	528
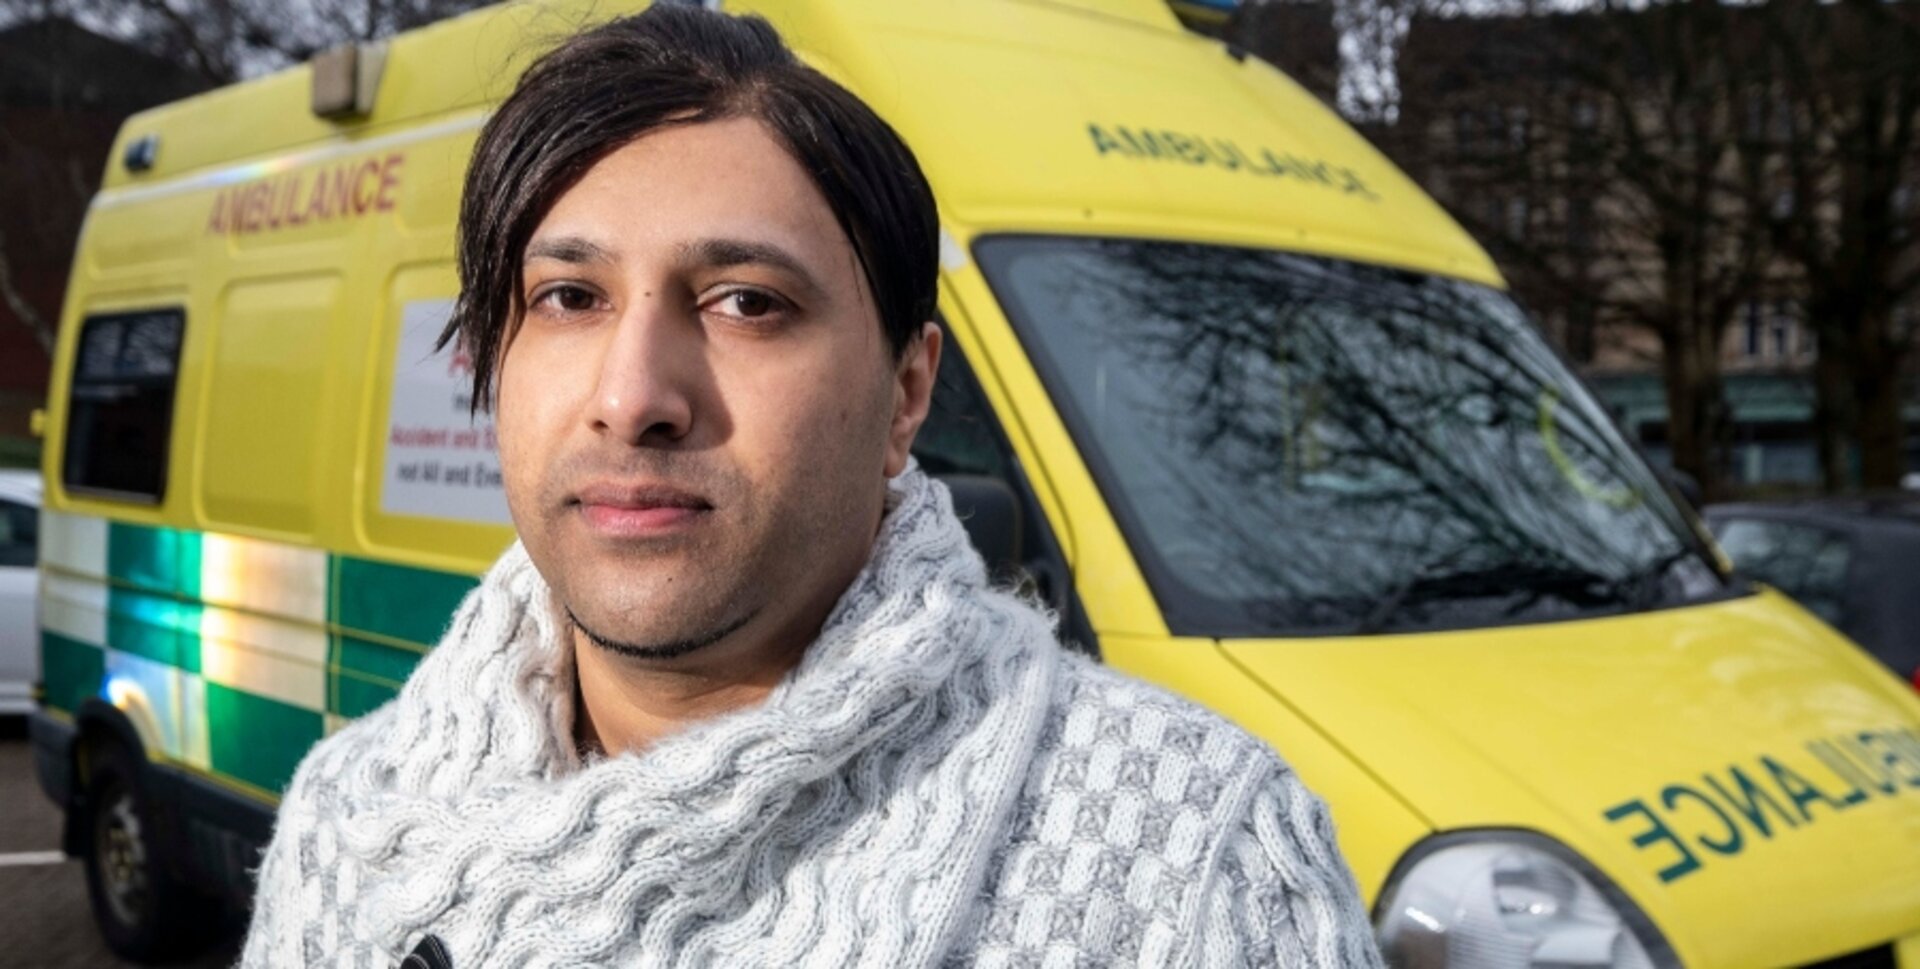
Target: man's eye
747	302
750	305
569	299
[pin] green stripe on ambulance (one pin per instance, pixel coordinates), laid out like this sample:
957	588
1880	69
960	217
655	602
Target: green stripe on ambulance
189	631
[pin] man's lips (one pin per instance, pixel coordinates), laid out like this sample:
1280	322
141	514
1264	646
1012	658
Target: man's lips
639	510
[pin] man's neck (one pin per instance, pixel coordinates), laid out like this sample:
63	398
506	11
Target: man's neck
627	704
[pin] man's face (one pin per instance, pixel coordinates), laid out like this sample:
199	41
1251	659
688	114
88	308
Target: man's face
698	412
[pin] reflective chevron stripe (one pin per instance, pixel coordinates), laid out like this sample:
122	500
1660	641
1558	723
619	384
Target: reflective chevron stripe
231	655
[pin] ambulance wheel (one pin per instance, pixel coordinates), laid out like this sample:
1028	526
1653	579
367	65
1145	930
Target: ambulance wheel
143	912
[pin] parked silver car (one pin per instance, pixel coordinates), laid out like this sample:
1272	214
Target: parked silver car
1851	560
19	587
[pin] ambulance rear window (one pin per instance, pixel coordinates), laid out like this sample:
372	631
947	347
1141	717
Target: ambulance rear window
120	409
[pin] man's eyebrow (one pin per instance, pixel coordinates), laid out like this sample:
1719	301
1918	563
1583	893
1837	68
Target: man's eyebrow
571	249
722	253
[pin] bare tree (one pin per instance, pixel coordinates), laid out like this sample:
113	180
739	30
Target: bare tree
1667	148
1837	122
12	294
23	308
228	40
52	147
64	94
256	35
1595	153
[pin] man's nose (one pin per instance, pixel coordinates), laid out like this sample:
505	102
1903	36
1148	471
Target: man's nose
647	369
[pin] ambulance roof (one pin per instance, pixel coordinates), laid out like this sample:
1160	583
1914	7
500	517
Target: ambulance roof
1073	116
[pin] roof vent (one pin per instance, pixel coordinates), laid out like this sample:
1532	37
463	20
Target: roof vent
345	80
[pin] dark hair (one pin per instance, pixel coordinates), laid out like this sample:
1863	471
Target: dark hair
678	64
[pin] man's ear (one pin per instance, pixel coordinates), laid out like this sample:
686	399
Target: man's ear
912	394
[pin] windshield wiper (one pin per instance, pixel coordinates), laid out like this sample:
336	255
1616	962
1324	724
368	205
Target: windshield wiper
1577	586
1637	592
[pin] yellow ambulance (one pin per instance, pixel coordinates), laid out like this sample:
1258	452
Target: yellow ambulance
1239	399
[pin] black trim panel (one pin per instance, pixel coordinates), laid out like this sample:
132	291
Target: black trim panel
53	756
218	835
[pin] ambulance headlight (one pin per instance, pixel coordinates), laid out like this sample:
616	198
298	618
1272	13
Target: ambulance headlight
1511	900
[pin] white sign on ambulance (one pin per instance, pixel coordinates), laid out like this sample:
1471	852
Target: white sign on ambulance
441	461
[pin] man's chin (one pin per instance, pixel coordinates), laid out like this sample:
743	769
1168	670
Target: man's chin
656	648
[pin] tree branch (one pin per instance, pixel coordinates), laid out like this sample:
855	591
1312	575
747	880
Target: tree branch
16	301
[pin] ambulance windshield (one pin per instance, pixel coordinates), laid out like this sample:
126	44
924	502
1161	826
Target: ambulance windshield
1301	446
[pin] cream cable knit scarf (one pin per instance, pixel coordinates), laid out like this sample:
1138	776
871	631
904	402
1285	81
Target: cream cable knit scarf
860	816
877	776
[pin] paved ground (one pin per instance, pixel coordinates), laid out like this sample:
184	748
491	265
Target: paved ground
44	919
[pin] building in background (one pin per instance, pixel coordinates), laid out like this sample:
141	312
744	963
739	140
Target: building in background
64	91
1618	192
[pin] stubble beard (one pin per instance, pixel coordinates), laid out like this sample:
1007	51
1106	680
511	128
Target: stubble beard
661	651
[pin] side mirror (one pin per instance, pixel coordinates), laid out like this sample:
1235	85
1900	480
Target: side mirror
991	512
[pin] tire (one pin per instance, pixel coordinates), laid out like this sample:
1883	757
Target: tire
144	913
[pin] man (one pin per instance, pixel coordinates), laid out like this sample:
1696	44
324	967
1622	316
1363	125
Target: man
742	694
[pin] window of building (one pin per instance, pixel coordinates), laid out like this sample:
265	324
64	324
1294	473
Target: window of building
1465	129
1784	125
1579	224
1517	127
1781	330
1556	327
1580	334
1586	114
1517	212
120	408
1756	115
1906	205
1768	116
1751	329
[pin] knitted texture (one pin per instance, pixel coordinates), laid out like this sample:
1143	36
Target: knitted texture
935	783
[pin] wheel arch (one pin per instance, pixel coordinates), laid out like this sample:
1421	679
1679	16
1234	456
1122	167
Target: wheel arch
98	724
